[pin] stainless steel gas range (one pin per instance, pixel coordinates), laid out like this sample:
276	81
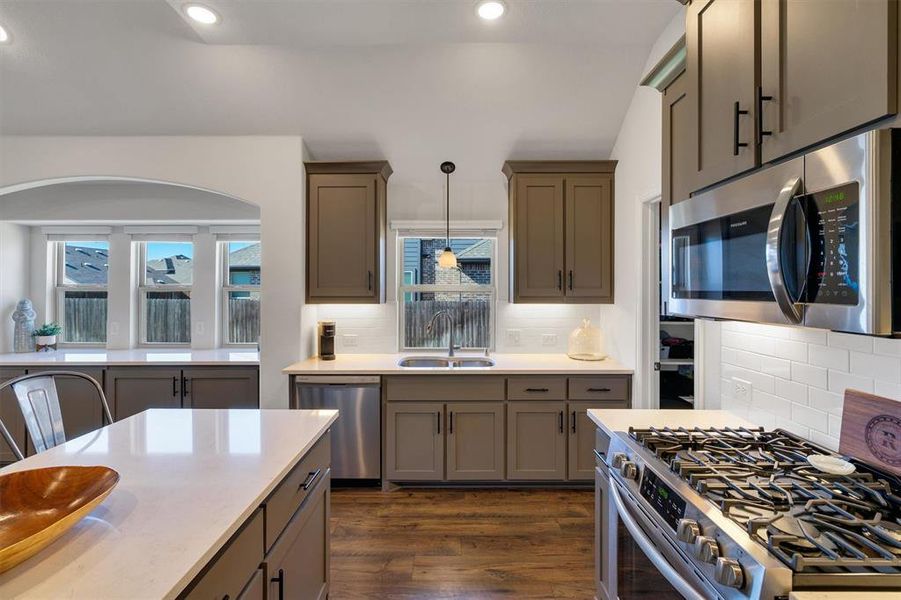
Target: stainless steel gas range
738	513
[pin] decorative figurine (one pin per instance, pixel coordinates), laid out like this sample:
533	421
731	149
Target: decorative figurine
23	316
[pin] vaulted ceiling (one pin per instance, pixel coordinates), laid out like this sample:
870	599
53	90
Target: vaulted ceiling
413	81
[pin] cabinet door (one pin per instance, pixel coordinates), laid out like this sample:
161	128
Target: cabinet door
721	41
581	460
299	562
221	387
538	230
11	415
677	142
589	238
78	402
256	588
342	238
414	442
827	67
475	441
131	390
536	440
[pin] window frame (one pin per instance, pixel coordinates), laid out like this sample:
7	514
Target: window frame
143	288
61	287
413	289
226	287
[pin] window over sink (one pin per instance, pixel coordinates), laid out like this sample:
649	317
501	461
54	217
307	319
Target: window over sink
467	292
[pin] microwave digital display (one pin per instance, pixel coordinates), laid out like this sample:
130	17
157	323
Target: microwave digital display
833	220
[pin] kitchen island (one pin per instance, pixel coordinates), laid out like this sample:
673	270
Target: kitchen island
205	496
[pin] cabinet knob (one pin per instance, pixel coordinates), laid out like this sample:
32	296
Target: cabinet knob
687	530
706	549
728	573
618	459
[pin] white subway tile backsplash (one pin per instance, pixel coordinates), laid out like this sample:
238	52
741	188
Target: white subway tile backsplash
884	368
800	375
810	375
830	358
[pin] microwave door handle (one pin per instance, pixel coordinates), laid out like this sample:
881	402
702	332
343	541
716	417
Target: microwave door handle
647	546
774	240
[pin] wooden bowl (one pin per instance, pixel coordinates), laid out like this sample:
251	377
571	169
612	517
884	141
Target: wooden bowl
39	505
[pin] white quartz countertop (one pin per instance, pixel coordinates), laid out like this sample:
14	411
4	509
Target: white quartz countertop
843	596
189	479
505	364
615	420
142	356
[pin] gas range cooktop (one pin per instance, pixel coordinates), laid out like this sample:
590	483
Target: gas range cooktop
814	522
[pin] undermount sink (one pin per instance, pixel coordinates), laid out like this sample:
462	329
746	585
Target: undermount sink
432	362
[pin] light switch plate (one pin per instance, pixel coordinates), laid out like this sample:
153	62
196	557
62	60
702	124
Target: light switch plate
514	337
549	339
741	389
349	340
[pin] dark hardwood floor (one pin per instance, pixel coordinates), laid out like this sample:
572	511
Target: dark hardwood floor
474	544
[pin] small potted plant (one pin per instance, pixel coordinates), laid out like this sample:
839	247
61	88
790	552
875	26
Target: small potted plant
45	336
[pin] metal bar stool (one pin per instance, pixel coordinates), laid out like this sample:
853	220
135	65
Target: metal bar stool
39	401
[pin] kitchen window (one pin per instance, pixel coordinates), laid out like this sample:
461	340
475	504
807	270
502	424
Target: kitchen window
467	292
82	280
165	291
241	292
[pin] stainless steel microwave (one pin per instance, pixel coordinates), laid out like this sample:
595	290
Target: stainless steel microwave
805	242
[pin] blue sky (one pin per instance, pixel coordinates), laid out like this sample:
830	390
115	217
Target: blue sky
157	250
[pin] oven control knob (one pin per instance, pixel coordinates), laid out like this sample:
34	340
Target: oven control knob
687	530
618	459
706	549
728	572
629	470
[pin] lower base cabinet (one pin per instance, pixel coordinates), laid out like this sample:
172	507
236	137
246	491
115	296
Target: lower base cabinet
581	441
256	589
298	563
536	440
414	441
130	390
475	441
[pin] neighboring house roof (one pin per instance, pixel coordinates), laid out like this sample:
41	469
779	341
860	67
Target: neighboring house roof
178	269
246	258
480	251
87	266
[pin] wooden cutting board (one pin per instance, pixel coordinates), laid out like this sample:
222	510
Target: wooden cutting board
871	430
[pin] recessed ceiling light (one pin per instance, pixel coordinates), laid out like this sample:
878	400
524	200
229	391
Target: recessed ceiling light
201	14
4	35
491	9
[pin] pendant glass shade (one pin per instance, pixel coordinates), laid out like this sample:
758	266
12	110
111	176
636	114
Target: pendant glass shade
447	259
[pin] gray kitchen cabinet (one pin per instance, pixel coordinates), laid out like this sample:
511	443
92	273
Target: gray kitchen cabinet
11	416
826	68
475	441
346	231
677	142
561	224
721	47
581	438
78	401
256	588
536	440
414	441
131	390
225	387
298	564
589	239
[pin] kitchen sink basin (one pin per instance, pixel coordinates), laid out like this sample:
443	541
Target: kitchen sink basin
457	362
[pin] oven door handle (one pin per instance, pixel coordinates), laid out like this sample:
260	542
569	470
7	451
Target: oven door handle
774	240
647	546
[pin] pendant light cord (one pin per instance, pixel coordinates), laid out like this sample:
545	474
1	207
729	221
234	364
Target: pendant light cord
447	210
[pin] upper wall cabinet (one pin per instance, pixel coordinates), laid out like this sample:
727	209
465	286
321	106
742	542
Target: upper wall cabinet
346	223
768	78
826	68
721	64
678	148
561	231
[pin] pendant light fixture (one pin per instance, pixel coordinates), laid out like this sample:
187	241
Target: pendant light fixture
447	260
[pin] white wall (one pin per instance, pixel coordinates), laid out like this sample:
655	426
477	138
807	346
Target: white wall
638	178
799	375
374	328
15	257
263	170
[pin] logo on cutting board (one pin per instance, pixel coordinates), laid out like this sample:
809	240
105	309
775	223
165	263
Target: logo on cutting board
883	436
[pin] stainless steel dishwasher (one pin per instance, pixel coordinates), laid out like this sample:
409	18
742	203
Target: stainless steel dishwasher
356	435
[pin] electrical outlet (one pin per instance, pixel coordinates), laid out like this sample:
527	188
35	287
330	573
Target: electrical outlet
741	389
114	328
200	327
514	337
549	339
349	340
